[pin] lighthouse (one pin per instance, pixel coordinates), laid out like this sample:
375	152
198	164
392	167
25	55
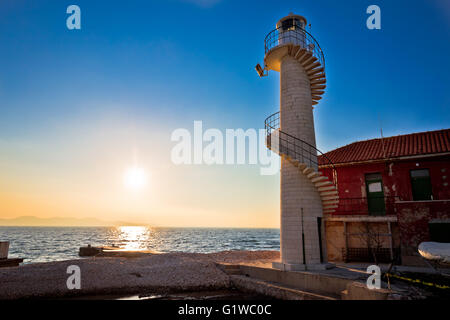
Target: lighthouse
305	195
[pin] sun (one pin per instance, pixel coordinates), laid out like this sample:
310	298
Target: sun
135	178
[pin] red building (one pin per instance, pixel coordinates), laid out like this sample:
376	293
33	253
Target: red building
393	194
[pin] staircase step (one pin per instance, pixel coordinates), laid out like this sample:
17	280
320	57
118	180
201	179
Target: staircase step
330	198
302	55
320	178
330	206
307	63
327	188
311	59
314	174
323	183
314	78
318	87
305	57
320	81
299	53
308	170
302	166
312	66
317	77
328	193
294	51
316	97
317	92
315	71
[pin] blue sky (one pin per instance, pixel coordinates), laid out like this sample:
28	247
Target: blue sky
173	62
77	106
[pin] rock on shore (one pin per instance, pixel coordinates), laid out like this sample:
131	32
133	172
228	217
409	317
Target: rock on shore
166	272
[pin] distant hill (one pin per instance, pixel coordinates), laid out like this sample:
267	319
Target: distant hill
60	222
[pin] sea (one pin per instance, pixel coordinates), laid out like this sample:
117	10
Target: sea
44	244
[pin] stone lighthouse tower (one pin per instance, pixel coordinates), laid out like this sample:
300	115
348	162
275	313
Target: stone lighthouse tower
306	195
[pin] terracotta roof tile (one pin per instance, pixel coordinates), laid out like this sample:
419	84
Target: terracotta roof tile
413	144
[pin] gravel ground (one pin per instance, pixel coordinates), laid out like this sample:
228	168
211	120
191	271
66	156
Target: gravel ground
167	272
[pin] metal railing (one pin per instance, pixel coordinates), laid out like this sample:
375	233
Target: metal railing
284	143
295	36
360	206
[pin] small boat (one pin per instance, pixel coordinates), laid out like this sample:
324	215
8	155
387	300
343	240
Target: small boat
13	262
435	251
89	251
106	251
4	260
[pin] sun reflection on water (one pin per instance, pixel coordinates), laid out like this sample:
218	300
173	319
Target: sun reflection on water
133	238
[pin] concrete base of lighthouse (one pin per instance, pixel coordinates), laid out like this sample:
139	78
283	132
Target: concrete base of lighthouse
301	267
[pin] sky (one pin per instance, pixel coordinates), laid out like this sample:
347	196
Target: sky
78	108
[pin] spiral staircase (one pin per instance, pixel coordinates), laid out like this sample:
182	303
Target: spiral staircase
301	45
304	156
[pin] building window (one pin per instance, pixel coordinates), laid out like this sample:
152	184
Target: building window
421	185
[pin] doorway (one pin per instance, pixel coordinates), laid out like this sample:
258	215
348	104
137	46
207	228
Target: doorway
375	194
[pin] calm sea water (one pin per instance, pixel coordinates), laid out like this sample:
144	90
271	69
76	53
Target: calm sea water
41	244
